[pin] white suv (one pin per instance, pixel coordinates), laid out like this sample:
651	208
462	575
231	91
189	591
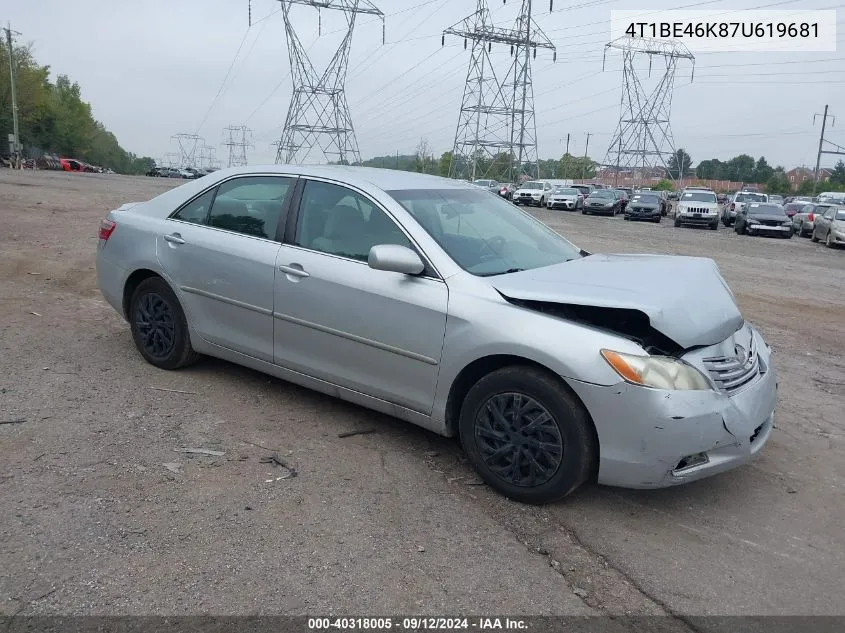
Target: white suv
533	193
697	206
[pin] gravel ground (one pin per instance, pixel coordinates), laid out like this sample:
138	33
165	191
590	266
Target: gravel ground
101	516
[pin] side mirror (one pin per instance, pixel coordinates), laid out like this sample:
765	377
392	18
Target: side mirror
396	259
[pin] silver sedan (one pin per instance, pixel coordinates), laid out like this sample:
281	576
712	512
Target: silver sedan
435	302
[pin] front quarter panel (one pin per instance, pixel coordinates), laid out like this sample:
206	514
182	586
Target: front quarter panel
481	323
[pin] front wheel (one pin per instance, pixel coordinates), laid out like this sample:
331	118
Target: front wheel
159	327
527	436
677	221
542	202
714	226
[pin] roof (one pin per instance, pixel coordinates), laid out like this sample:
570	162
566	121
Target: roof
385	179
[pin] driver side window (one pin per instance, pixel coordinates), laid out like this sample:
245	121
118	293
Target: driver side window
338	221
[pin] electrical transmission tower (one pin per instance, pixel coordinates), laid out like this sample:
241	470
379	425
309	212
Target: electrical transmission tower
496	129
189	148
643	142
319	113
208	157
238	139
171	159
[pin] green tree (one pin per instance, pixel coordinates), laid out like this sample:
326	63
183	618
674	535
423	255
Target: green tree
778	183
763	172
679	164
708	169
807	188
54	118
664	185
444	164
739	169
837	176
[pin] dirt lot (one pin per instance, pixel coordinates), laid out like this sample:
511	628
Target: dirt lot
93	522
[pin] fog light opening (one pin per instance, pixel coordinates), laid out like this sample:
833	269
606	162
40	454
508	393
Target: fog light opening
691	461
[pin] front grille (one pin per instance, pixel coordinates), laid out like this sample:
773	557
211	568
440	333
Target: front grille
731	373
697	210
770	222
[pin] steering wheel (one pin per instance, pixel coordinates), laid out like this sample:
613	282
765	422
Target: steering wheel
493	248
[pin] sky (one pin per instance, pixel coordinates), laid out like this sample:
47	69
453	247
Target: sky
158	68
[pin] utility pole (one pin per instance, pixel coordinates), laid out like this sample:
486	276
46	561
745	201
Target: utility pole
839	150
16	141
567	143
584	166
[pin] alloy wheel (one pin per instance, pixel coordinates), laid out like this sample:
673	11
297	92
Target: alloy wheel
518	439
156	325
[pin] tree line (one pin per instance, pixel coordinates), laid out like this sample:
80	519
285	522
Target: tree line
54	119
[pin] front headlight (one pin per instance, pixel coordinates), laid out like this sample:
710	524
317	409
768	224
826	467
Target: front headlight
657	372
751	222
681	208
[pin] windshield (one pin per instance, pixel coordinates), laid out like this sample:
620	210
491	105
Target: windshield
602	193
485	235
698	196
750	197
645	199
532	185
766	209
565	191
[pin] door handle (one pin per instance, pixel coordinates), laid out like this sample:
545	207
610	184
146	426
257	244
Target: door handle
174	238
294	270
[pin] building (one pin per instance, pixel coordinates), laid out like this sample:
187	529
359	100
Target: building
798	175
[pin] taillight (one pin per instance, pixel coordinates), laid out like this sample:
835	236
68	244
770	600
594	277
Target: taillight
107	227
811	217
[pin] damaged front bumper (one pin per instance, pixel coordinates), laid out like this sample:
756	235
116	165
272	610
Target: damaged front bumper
652	438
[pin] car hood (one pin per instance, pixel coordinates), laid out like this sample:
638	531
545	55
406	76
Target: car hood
602	200
565	196
685	298
537	191
767	216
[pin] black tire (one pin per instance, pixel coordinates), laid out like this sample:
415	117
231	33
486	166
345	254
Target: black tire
569	427
657	219
584	211
677	222
542	201
627	218
163	351
714	226
813	237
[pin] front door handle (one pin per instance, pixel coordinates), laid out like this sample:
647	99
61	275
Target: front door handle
294	270
174	238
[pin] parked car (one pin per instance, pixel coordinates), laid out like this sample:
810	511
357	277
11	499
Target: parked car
804	199
665	203
566	198
585	190
644	206
603	202
722	198
506	190
830	227
533	193
738	200
832	197
553	365
791	208
697	206
763	218
803	222
673	195
490	185
776	199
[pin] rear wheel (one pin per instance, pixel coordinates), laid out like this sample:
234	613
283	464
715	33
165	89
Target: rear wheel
527	436
158	325
813	236
828	242
714	226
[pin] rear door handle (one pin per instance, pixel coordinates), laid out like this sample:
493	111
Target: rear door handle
174	238
294	270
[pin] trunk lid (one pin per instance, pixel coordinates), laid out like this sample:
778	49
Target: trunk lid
685	298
